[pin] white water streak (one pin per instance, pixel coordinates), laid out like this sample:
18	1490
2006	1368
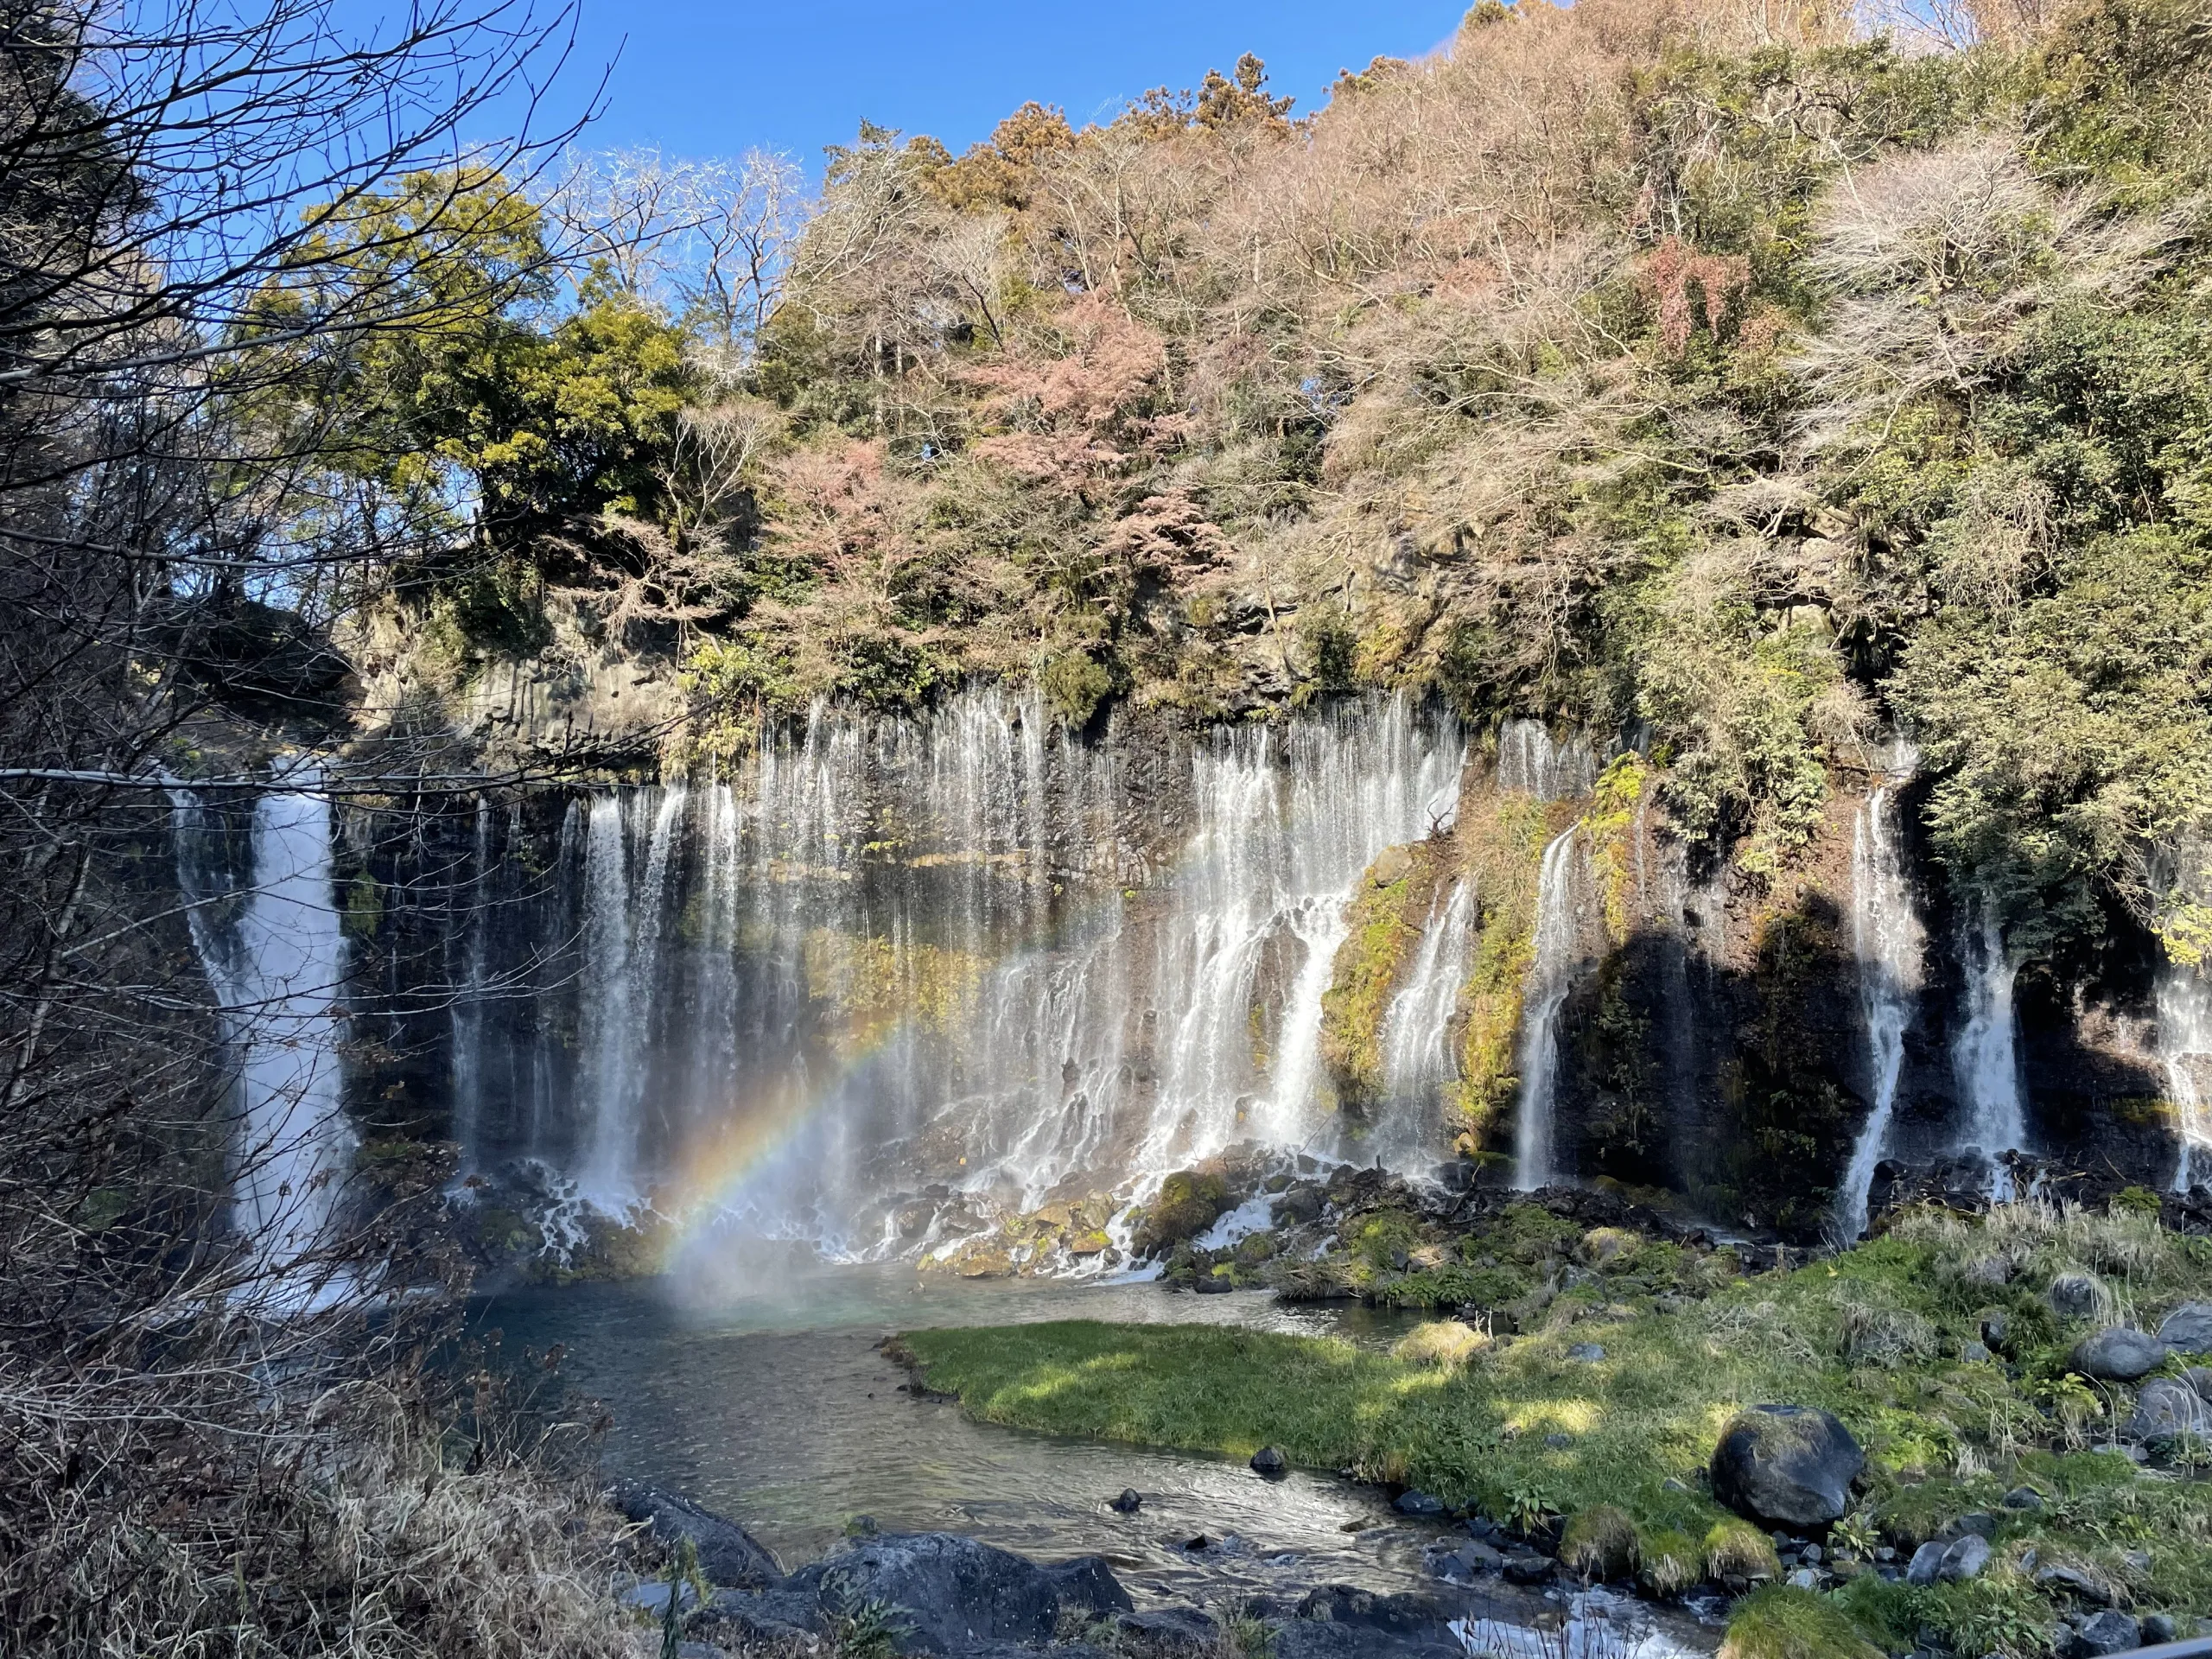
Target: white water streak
277	972
1888	940
2184	1001
1550	976
1985	1057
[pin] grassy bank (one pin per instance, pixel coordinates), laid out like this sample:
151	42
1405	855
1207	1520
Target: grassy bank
1536	1427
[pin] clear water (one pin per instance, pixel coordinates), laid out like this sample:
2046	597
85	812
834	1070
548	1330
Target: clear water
772	1403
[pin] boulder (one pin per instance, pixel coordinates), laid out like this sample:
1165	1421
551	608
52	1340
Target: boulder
2068	1579
2200	1378
1127	1504
1189	1202
2110	1631
2024	1498
1530	1567
953	1591
2167	1409
1965	1559
790	1616
727	1554
1087	1586
2188	1329
1927	1564
1786	1466
1268	1460
2077	1296
1588	1352
2117	1354
1368	1610
1421	1506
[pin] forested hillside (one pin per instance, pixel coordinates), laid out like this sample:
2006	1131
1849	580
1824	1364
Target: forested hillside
1741	381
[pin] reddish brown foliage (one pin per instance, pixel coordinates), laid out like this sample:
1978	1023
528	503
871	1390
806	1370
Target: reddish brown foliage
1673	269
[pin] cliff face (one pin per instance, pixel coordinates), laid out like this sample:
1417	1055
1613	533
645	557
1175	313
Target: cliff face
891	976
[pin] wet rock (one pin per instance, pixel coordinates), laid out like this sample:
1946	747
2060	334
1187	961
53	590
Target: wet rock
1790	1465
954	1591
1127	1504
1530	1567
2188	1329
2110	1631
1190	1201
1472	1559
1349	1605
2166	1410
1316	1639
1169	1633
1212	1284
1421	1506
1086	1585
2118	1354
727	1555
1301	1204
1268	1460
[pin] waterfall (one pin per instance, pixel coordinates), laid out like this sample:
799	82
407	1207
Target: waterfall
1418	1065
1887	938
1544	993
2185	1000
1985	1056
274	953
1530	760
966	949
468	1036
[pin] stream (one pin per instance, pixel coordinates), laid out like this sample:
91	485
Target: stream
773	1405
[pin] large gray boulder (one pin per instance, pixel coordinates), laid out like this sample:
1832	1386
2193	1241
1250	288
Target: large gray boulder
2117	1354
953	1593
1786	1466
2167	1409
727	1554
2188	1329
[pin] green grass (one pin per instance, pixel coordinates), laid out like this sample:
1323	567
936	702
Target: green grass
1520	1428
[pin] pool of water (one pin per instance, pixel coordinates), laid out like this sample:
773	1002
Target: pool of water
767	1398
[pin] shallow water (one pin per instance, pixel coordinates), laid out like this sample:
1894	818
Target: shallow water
768	1401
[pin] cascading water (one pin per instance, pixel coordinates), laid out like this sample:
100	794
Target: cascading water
2184	998
1985	1056
1417	1061
1550	977
1888	940
966	949
468	1068
274	953
1532	761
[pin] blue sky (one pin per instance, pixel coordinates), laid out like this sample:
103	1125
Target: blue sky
699	77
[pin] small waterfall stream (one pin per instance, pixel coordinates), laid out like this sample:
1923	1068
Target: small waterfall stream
1417	1061
1550	978
1986	1058
1888	941
269	940
2184	1000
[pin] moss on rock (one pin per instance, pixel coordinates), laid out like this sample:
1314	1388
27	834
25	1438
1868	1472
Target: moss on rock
1389	914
